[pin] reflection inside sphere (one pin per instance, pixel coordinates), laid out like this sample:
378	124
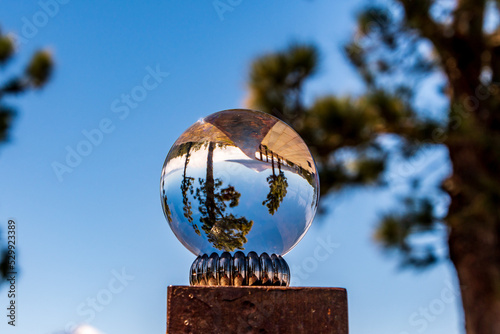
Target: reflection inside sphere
239	180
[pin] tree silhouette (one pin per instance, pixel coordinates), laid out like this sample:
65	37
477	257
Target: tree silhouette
277	192
164	203
395	49
35	76
224	230
277	188
183	150
187	186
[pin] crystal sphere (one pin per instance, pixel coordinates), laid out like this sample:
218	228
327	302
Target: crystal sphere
239	180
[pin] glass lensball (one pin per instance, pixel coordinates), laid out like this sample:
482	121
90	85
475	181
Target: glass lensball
239	180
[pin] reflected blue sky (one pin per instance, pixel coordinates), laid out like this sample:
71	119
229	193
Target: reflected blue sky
276	233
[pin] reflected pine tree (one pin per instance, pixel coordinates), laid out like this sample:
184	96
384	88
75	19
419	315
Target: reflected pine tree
277	188
184	150
164	202
224	230
187	186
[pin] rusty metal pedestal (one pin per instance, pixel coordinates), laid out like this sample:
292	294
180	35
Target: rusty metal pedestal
221	309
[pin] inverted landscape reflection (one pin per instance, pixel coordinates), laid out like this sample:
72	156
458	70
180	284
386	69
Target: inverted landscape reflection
239	180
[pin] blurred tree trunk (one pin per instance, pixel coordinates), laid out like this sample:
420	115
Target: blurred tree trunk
474	223
474	146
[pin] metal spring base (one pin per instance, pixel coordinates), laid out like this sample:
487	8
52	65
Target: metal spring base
240	270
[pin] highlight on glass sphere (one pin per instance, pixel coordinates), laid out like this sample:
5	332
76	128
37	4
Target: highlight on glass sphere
239	180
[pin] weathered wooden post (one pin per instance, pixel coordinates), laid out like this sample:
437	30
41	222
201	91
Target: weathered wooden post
240	189
256	310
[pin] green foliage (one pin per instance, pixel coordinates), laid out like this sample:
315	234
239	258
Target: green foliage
399	230
277	191
40	68
344	133
395	49
36	75
6	48
187	186
6	115
277	80
224	230
228	233
388	53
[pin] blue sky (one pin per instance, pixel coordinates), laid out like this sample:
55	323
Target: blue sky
98	232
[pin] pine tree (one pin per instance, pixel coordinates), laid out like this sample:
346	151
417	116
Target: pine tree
35	76
394	49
